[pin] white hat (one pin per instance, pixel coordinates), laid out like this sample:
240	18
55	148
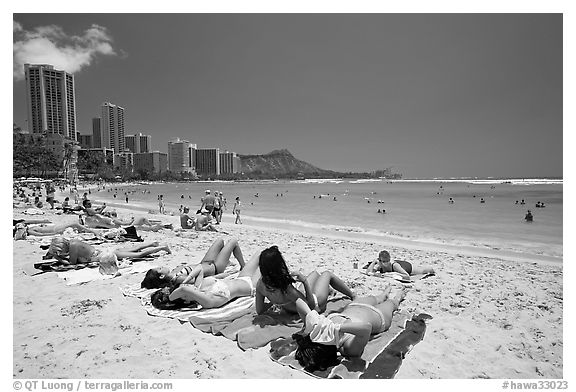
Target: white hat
207	190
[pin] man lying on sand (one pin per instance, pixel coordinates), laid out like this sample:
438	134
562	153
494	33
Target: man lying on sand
23	230
78	252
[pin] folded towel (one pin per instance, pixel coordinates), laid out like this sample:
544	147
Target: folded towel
371	364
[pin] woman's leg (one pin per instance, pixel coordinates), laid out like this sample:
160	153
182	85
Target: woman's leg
123	253
140	247
214	250
252	268
322	287
223	257
389	306
80	228
422	270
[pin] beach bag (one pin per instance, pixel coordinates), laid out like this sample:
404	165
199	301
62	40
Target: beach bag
131	234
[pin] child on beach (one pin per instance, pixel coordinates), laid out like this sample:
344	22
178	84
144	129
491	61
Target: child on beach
347	332
404	268
277	286
214	262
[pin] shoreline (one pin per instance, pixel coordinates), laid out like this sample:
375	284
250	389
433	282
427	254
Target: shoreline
383	239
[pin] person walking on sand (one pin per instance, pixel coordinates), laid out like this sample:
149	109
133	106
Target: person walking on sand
236	210
161	204
208	202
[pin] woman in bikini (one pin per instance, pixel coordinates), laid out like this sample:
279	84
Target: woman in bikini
210	292
214	262
346	332
404	268
78	252
277	285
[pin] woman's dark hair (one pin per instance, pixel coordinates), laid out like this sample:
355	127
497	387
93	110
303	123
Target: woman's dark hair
274	271
161	300
314	356
154	280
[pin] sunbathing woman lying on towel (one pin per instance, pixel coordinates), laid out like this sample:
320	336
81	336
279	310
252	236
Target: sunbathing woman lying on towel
346	332
214	262
23	230
77	251
210	292
404	268
277	286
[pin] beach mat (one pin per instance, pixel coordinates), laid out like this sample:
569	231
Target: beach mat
382	356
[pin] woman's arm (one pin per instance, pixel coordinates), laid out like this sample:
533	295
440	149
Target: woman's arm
302	308
261	305
192	293
371	267
307	289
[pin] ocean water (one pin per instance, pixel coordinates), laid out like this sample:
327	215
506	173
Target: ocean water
415	210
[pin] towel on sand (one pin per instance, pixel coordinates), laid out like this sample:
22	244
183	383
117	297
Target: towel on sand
237	320
398	277
255	331
230	311
86	275
381	358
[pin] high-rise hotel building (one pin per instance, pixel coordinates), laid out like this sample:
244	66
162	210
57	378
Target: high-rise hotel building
180	156
50	99
229	163
208	161
112	127
138	143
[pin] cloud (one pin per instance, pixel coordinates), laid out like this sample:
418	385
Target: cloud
51	45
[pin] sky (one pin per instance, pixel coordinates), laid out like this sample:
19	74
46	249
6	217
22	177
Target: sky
430	95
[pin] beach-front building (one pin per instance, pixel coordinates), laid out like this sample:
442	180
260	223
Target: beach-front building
180	156
229	163
50	100
96	132
138	143
85	141
151	162
112	127
208	161
124	160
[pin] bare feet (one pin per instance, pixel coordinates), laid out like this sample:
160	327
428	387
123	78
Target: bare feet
167	249
398	296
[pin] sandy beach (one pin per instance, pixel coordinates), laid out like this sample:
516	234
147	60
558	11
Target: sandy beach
493	317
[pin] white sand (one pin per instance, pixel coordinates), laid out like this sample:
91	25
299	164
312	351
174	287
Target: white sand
492	318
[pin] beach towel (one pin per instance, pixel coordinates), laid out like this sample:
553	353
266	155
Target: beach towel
86	275
255	331
398	277
382	356
230	311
